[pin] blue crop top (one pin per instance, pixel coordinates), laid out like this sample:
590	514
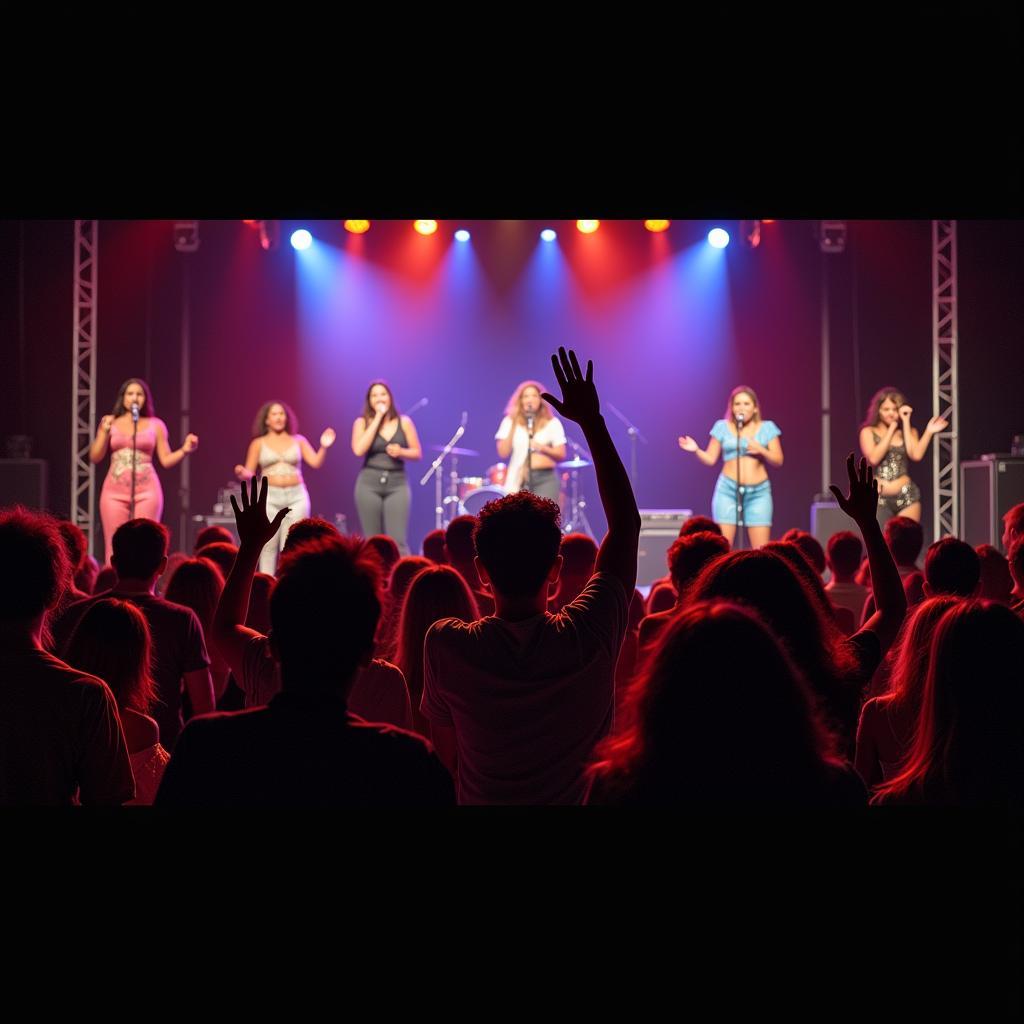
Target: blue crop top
721	432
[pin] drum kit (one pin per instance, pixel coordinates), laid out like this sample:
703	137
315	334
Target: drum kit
467	495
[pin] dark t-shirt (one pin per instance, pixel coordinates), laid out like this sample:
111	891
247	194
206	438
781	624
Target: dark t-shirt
302	750
178	647
59	734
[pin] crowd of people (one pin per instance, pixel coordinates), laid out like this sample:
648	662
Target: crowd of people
510	663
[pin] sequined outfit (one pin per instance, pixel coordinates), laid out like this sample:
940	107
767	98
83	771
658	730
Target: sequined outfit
892	467
115	498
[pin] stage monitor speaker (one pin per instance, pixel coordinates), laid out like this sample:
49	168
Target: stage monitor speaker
197	523
828	518
989	488
23	482
659	527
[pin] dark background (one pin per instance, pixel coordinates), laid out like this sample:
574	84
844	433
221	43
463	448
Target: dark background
670	326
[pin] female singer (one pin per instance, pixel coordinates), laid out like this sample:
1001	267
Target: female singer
887	440
132	489
385	440
747	444
277	451
532	439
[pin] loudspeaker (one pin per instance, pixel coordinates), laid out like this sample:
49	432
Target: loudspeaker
989	488
197	523
659	527
23	482
828	518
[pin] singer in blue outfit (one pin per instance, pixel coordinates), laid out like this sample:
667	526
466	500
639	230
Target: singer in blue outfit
385	440
748	445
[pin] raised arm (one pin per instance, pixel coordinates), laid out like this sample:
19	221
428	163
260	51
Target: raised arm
580	402
708	456
169	459
363	433
229	634
874	453
917	446
316	458
886	586
99	446
252	460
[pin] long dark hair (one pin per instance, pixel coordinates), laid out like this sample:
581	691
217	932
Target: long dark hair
368	410
696	737
259	425
112	641
968	746
148	408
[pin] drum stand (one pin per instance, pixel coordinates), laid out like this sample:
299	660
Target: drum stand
578	522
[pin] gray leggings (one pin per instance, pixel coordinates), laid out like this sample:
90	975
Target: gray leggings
383	507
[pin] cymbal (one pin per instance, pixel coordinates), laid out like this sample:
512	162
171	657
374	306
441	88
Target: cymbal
454	451
576	463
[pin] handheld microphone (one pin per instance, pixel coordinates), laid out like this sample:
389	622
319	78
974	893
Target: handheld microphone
135	412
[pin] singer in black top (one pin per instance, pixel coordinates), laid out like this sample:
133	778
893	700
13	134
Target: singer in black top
134	434
748	445
385	440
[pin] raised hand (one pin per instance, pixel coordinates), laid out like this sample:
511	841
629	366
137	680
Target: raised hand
579	396
936	425
327	437
106	423
687	443
862	503
254	529
191	443
905	411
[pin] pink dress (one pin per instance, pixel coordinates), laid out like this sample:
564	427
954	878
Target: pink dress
115	498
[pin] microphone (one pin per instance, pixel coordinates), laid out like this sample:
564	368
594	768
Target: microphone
739	420
135	412
419	405
529	422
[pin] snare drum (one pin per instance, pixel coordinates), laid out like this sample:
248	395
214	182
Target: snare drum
496	474
476	500
469	484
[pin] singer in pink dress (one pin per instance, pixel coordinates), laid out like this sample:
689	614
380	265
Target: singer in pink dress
115	433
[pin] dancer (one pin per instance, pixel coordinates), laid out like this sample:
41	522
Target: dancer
276	452
385	440
748	445
887	440
132	489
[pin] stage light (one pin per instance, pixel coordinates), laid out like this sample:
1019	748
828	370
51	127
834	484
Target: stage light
718	237
186	235
587	227
462	235
425	227
657	225
251	223
750	230
301	239
832	236
548	234
357	227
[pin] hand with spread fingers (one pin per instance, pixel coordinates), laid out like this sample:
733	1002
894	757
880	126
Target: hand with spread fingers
254	529
861	505
579	396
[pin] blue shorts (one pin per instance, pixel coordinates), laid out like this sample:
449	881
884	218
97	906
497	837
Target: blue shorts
757	502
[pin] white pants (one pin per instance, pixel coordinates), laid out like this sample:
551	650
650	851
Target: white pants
297	499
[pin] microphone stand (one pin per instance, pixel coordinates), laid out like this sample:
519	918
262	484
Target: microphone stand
529	453
740	519
435	472
634	433
578	515
135	431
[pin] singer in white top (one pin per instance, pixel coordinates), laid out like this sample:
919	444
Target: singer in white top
532	440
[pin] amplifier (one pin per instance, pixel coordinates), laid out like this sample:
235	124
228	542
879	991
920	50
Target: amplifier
23	482
989	488
659	527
